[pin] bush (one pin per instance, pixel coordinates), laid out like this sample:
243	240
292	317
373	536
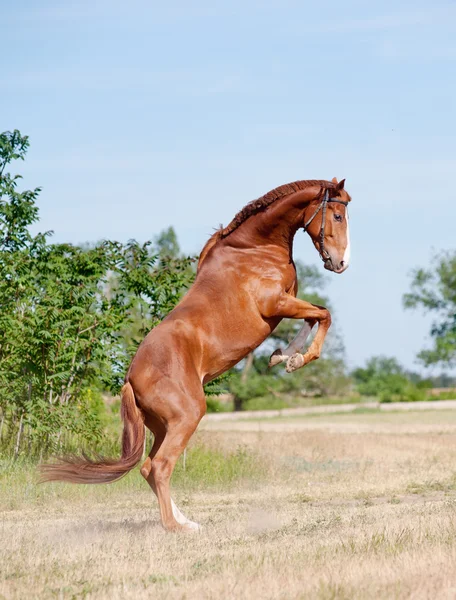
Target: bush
215	406
266	403
385	378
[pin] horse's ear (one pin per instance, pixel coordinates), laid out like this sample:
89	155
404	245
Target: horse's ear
334	180
340	185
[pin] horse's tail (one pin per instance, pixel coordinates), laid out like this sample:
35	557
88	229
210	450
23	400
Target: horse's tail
77	469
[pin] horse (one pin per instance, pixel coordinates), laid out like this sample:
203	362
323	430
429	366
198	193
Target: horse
245	285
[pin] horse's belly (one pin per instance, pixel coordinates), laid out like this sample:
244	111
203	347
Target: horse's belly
232	345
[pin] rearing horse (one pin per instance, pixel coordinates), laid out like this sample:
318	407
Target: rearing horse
245	285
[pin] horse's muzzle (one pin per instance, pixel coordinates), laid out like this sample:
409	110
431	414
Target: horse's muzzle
328	264
340	268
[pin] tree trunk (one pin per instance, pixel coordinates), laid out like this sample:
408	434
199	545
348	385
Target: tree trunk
248	365
238	402
18	439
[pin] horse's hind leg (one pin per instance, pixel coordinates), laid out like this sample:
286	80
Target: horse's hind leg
176	439
169	443
159	431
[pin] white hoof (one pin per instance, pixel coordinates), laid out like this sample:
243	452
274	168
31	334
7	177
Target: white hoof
182	519
277	357
194	526
294	362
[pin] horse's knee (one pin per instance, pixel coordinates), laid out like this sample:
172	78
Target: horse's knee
326	318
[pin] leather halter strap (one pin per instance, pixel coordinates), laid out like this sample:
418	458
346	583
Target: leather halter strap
323	206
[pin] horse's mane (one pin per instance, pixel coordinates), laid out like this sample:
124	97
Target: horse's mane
209	245
255	206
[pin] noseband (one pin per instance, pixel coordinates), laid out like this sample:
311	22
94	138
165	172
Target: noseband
323	206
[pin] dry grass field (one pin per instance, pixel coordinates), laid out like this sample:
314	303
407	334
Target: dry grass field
359	505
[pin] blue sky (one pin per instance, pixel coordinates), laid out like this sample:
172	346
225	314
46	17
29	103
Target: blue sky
143	115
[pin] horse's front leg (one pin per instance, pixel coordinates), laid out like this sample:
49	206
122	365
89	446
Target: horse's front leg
296	345
294	308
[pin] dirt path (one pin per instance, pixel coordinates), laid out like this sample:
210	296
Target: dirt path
411	418
332	408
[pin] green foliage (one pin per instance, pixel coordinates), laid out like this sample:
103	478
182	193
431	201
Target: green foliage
385	378
323	378
167	244
434	290
213	405
18	209
256	385
268	402
69	317
217	386
147	286
444	395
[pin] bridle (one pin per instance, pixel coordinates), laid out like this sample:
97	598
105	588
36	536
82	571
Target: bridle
323	206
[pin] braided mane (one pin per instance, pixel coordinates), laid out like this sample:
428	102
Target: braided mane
255	206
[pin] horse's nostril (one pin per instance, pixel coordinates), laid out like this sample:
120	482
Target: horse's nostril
342	263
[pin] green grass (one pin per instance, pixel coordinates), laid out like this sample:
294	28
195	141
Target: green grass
425	487
266	403
19	487
271	402
367	415
204	467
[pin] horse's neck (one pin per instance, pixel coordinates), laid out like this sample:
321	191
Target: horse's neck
275	226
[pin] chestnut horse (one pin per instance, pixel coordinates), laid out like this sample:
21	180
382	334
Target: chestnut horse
245	285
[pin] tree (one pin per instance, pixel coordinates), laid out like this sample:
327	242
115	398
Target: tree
151	285
64	311
434	290
18	209
385	378
167	244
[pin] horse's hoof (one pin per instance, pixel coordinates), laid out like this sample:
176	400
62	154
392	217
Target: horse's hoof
277	357
188	527
191	527
294	362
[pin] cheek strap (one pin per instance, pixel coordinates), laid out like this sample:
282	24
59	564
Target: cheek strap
323	206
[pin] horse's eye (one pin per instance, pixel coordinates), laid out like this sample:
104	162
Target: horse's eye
338	218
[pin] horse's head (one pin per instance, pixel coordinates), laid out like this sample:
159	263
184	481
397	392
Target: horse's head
326	221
